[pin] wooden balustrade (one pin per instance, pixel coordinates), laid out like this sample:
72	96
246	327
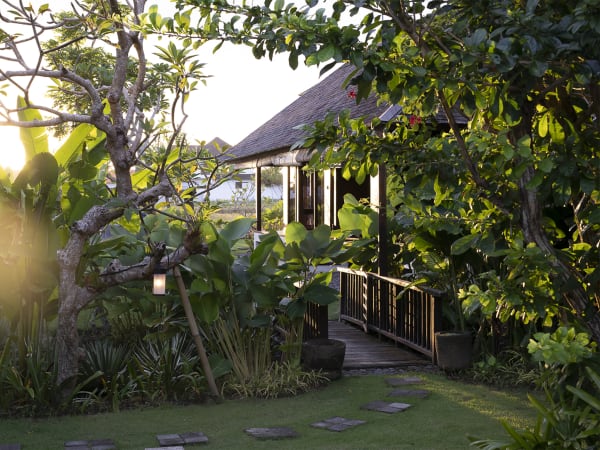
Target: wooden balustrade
393	308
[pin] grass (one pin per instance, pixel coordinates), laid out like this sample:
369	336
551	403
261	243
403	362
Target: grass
441	421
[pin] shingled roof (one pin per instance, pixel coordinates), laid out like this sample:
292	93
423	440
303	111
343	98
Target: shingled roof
270	143
284	129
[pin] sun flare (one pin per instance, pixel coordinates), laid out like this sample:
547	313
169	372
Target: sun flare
12	154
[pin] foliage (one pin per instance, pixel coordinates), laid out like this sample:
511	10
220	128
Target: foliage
509	368
247	350
167	369
244	290
564	346
115	382
273	217
120	198
569	416
33	390
572	421
493	150
280	380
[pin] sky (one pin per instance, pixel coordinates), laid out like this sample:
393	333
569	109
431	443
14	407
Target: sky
241	94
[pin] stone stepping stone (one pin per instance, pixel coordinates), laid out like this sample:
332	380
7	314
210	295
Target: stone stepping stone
272	433
169	440
390	408
338	424
91	444
403	381
178	447
10	446
420	393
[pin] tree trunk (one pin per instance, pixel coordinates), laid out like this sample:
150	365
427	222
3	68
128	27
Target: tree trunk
67	344
574	293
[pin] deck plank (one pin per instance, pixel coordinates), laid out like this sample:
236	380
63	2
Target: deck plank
367	351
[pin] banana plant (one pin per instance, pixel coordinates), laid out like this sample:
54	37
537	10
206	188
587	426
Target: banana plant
31	216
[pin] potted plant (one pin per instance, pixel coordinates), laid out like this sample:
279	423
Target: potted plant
454	348
305	253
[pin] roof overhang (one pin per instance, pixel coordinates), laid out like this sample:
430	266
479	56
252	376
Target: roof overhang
283	157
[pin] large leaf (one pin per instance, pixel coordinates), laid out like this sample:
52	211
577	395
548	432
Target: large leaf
296	309
206	307
83	133
39	169
464	244
35	139
236	230
264	250
295	232
320	294
322	236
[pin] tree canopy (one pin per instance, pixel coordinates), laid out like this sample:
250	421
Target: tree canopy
518	187
113	206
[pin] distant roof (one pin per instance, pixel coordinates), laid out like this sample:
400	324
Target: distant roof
270	143
285	128
216	146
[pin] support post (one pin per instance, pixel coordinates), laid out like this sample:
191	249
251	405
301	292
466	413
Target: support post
383	231
185	300
258	199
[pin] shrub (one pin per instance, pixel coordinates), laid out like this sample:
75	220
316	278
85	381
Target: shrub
281	380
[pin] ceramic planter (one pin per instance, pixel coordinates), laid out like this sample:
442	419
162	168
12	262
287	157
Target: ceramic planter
323	354
454	350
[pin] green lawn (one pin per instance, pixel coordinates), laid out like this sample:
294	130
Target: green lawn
441	421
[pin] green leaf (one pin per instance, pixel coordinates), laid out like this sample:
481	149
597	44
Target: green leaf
296	309
82	171
83	133
546	165
293	60
543	125
322	235
464	244
206	307
295	232
320	294
35	139
326	53
236	230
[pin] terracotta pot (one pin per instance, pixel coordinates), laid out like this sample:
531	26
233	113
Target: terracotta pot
326	355
454	350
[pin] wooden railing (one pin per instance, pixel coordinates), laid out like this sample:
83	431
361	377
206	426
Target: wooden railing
315	322
390	307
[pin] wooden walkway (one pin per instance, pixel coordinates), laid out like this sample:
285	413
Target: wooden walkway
367	351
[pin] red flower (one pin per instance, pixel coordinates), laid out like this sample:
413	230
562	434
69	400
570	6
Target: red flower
414	120
351	94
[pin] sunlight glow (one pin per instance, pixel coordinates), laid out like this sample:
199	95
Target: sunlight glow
12	154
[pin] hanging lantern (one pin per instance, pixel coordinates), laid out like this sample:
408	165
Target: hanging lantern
159	284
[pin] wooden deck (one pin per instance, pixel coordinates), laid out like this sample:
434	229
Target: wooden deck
367	351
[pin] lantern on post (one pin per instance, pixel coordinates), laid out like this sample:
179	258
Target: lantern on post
159	284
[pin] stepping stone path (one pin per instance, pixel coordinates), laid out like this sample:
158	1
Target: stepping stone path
92	444
338	424
176	440
272	433
390	408
419	393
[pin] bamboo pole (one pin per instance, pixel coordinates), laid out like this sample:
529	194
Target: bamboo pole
185	300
